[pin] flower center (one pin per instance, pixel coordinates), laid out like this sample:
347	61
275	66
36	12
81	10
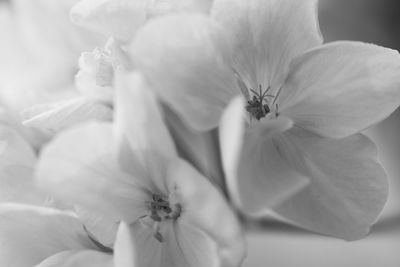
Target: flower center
258	107
160	210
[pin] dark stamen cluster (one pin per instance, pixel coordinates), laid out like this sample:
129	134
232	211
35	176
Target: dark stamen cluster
256	106
161	210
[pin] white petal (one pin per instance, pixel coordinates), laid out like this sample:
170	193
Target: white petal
61	42
78	258
144	143
124	248
100	227
30	234
17	160
78	166
182	246
348	186
205	209
198	148
120	18
139	119
164	7
187	61
342	88
198	249
256	174
267	35
54	117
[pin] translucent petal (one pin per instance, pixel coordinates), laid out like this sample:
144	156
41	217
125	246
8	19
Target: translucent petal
57	116
78	166
348	185
119	19
17	161
201	149
78	258
30	234
144	143
267	35
342	88
187	61
205	209
257	175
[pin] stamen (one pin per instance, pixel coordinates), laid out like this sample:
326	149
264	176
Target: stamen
160	211
257	106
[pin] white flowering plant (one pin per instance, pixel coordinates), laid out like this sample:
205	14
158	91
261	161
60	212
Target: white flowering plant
151	132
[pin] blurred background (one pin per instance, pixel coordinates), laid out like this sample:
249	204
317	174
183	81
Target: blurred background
374	21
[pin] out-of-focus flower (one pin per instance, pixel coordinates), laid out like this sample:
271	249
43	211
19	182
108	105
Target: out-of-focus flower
299	150
131	173
121	19
118	21
42	46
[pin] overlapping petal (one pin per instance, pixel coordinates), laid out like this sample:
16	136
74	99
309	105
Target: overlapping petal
187	62
267	35
119	19
201	149
78	258
57	116
17	161
342	88
139	123
257	174
348	185
205	209
79	166
162	7
30	234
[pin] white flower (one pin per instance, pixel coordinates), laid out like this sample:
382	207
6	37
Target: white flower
131	173
38	65
306	103
118	21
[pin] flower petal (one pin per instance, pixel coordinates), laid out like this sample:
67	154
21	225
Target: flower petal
182	246
138	118
205	209
187	61
144	143
198	249
163	7
101	228
348	186
78	258
198	148
256	174
17	160
124	248
78	166
342	88
119	19
54	117
30	234
267	35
